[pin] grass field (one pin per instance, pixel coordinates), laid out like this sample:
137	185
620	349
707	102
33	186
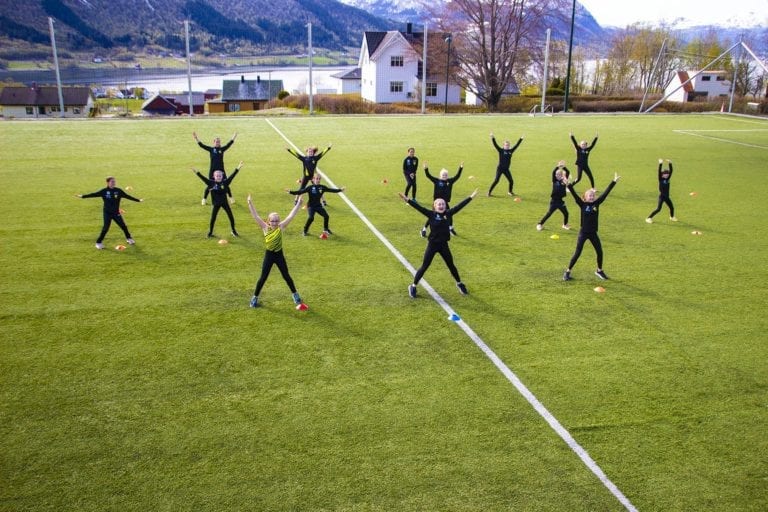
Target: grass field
141	380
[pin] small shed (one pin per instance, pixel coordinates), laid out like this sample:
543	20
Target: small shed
349	81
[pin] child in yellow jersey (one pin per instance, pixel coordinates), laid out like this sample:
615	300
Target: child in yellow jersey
273	239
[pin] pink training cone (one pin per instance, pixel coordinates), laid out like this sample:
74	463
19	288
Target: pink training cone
302	307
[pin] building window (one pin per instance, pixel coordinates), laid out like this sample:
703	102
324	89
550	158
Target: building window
29	111
706	78
233	107
55	108
396	61
431	89
75	110
720	78
395	86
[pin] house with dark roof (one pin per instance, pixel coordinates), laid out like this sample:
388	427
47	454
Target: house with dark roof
43	101
174	104
391	69
244	95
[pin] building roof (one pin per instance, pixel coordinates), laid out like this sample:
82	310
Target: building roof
158	102
349	74
251	90
44	96
684	77
198	98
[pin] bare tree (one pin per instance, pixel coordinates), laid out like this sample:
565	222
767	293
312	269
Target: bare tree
493	40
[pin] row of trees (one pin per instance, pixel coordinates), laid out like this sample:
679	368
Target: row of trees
497	41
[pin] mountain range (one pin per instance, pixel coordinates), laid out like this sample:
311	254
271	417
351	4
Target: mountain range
227	26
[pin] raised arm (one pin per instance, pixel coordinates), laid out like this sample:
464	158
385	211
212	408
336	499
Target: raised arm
429	176
321	153
495	144
203	178
458	173
295	153
254	213
520	141
292	214
237	170
462	204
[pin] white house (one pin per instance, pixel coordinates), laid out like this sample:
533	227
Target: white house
390	69
705	86
43	101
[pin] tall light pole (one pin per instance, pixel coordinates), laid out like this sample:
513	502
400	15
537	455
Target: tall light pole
56	65
309	37
570	53
448	40
189	69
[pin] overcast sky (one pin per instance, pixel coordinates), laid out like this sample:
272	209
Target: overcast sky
619	13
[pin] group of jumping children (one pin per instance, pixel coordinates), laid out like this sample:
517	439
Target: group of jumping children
439	224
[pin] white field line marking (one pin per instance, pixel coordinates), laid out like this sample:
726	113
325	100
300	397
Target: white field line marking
694	133
503	368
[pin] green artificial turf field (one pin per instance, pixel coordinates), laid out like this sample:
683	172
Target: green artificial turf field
141	380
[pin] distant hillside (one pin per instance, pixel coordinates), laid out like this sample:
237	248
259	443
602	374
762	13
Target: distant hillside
218	25
588	31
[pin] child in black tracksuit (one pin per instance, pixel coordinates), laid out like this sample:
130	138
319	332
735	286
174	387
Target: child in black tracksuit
664	177
315	205
219	188
582	159
308	162
216	153
560	176
111	195
439	235
410	168
589	207
505	161
443	188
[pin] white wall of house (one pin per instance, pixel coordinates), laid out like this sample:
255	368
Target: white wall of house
32	112
714	83
348	86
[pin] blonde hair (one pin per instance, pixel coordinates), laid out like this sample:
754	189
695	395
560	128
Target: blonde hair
273	216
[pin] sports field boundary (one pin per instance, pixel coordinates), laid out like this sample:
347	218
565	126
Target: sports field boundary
489	353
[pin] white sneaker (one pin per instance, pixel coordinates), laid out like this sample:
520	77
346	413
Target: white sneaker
99	245
130	241
673	219
649	220
231	200
566	227
539	227
202	202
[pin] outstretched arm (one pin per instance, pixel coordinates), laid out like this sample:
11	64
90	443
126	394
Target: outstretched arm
255	214
429	176
295	153
463	203
237	170
458	173
292	214
203	178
